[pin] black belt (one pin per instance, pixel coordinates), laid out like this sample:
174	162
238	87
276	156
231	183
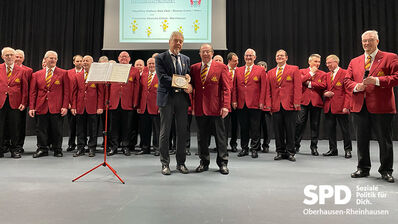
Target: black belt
178	90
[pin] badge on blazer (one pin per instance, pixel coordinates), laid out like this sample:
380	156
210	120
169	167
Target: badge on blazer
381	73
319	80
57	82
156	85
255	78
131	79
17	80
214	79
92	85
339	83
288	78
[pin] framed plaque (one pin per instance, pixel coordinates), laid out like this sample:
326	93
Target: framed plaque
179	81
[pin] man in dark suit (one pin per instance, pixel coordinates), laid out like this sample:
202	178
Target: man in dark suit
173	101
311	102
336	106
19	59
211	82
248	98
49	99
87	104
371	78
285	94
77	61
13	100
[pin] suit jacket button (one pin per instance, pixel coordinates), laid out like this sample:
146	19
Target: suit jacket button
203	87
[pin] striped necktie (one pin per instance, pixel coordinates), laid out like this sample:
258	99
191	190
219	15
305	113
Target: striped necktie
331	77
203	74
9	72
231	71
279	76
150	76
247	75
48	78
85	75
367	64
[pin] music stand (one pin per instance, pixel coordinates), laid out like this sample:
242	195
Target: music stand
107	74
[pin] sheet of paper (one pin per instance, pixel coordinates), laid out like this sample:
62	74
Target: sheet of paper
99	72
120	73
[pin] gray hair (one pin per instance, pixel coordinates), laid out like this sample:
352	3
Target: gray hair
333	57
262	63
249	49
19	51
372	33
103	59
176	33
50	52
314	56
7	49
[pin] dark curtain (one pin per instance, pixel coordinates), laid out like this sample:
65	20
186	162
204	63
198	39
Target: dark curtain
301	27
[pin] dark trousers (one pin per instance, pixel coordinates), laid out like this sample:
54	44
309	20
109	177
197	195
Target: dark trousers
381	125
149	124
135	129
22	128
284	122
49	131
176	104
10	122
266	128
331	121
120	127
155	131
86	125
249	121
204	122
231	127
72	129
302	117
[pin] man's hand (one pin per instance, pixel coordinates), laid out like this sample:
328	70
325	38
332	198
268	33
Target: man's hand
328	94
32	113
188	78
64	111
21	107
314	69
100	111
296	106
370	81
189	89
139	111
234	105
261	106
360	87
346	111
224	112
73	111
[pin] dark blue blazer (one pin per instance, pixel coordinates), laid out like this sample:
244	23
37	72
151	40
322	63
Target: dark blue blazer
165	70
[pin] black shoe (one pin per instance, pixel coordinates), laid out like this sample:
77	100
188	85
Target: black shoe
202	167
348	155
1	155
112	152
297	148
388	177
183	169
254	154
166	170
21	150
234	149
15	154
172	152
58	153
224	170
126	151
278	156
39	153
91	153
70	148
360	173
330	153
187	152
242	153
314	152
79	152
157	153
143	152
291	158
265	149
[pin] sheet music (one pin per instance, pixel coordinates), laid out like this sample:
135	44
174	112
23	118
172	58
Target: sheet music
99	72
120	73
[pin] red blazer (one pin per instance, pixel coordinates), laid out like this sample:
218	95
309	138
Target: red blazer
379	99
16	88
126	94
87	96
288	92
148	95
72	79
215	93
51	99
28	73
312	95
341	98
253	93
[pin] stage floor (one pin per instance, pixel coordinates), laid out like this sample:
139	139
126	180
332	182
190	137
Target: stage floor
256	190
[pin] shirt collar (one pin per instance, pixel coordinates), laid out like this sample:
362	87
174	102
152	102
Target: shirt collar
12	66
77	71
336	70
373	55
208	64
171	53
283	67
52	69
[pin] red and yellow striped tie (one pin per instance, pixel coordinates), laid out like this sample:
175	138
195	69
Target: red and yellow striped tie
49	76
279	76
367	64
247	75
231	71
331	77
149	80
9	72
85	75
203	74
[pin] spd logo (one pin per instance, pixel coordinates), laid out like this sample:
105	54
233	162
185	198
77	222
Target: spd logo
339	194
